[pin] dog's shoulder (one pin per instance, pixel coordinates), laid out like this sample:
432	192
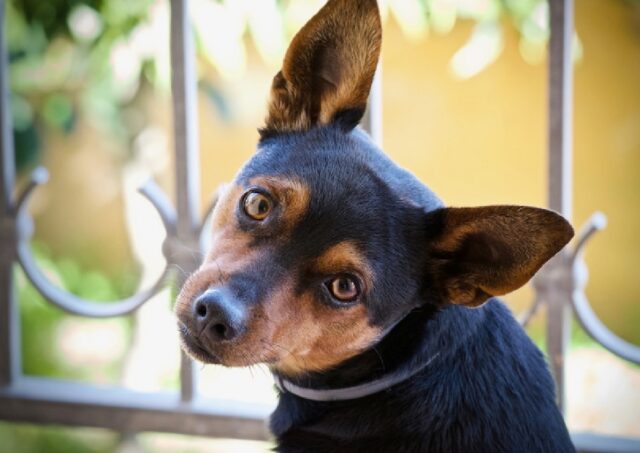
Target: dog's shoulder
501	388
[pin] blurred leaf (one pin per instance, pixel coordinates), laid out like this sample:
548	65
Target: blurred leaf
482	49
267	29
21	112
296	13
101	108
535	25
70	273
52	14
27	146
442	15
125	14
85	23
95	286
40	320
533	52
27	438
220	28
88	58
125	66
17	30
48	72
217	99
412	17
520	9
58	112
481	11
578	48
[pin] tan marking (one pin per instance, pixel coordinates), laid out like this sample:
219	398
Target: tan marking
326	338
230	253
296	333
292	194
299	334
293	333
345	257
341	43
314	335
307	335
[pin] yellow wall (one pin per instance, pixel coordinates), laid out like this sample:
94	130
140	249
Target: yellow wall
483	140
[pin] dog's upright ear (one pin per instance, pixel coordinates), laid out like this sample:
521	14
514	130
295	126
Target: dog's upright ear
328	69
477	253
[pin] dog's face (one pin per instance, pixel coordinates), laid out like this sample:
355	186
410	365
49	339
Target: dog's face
313	251
322	244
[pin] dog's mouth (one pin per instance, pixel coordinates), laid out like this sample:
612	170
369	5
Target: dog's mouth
230	355
192	346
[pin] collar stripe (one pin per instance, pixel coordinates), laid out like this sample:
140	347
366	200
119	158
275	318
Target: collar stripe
353	392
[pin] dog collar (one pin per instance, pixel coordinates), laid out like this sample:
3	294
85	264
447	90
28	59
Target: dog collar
353	392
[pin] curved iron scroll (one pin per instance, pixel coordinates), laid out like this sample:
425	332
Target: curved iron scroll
566	277
70	302
569	272
172	249
581	307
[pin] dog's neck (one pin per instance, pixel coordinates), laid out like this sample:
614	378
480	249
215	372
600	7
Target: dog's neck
412	345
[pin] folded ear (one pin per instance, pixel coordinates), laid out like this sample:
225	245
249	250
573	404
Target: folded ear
478	253
328	69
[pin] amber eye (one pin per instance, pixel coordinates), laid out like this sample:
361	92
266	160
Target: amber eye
344	288
256	205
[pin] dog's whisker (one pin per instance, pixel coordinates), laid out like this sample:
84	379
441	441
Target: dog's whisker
179	268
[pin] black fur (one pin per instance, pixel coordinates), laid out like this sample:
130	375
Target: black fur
488	388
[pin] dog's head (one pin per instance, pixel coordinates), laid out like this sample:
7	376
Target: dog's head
321	244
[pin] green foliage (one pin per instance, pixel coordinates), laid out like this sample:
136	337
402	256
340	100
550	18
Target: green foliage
88	59
40	321
61	67
22	438
52	14
41	325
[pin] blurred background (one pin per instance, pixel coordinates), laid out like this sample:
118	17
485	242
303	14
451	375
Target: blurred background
464	108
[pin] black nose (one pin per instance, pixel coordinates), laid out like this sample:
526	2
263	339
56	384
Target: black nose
218	315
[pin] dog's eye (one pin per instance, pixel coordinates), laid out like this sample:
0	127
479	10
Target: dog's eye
256	205
344	288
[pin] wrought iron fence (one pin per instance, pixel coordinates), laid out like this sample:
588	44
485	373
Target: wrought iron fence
559	286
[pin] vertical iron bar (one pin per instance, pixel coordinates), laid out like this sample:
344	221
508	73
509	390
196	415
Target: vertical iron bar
7	171
185	121
560	107
372	119
560	172
10	367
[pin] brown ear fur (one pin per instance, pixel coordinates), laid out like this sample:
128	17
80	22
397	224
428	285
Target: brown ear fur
477	253
328	68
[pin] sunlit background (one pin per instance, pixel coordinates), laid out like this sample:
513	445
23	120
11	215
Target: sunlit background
464	108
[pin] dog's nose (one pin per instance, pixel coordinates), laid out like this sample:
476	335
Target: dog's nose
218	315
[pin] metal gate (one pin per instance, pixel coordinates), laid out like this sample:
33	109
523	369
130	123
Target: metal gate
558	286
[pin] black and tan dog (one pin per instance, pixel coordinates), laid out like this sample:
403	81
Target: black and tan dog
358	288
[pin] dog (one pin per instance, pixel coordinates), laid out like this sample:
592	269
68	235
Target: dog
370	301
